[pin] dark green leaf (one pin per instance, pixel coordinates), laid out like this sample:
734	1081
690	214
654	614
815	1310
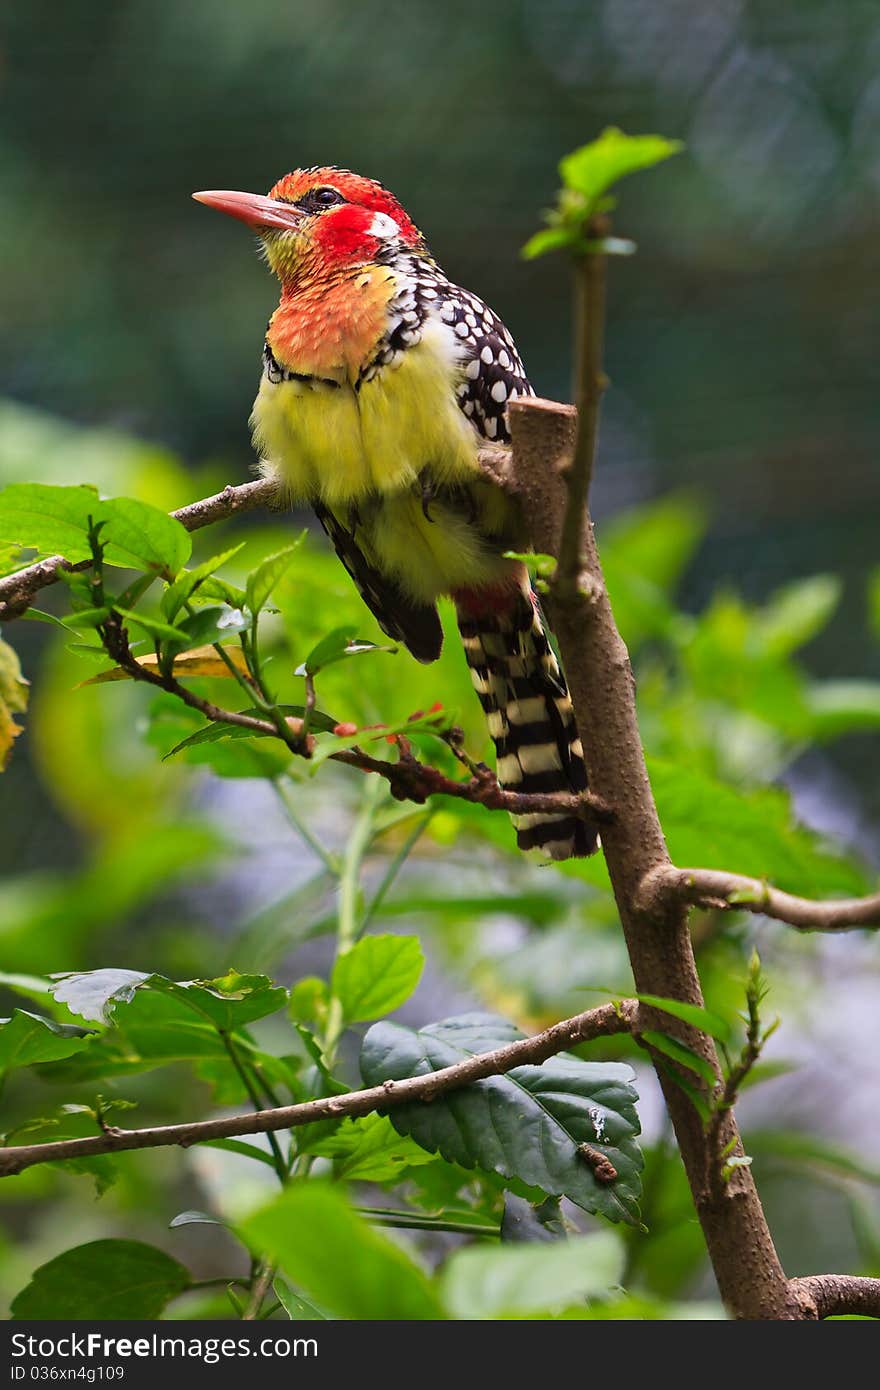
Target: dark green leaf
106	1279
527	1124
340	1261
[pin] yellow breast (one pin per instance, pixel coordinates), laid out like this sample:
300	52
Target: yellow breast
337	443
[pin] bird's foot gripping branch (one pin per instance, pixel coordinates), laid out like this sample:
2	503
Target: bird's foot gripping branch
475	1128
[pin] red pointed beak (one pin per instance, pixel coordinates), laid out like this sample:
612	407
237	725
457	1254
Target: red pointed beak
261	213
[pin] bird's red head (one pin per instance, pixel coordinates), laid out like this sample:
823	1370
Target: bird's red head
321	219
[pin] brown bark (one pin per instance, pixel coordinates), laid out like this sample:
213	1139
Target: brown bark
750	1277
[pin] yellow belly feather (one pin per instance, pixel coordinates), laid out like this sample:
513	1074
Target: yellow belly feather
344	447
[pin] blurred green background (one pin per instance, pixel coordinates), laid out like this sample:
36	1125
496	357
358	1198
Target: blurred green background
742	353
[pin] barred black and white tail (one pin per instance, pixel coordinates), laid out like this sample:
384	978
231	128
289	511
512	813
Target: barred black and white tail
531	721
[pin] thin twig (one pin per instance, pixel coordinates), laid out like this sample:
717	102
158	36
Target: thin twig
838	1295
737	893
259	1289
394	868
607	1019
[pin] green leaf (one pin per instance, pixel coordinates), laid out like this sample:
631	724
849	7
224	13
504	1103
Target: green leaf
698	1017
678	1052
139	536
527	1124
216	733
230	1002
262	582
370	1150
797	613
720	826
594	168
208	625
189	581
551	239
537	563
514	1280
13	700
26	1038
296	1308
337	1259
336	646
377	975
55	520
106	1279
154	626
843	707
309	1000
50	520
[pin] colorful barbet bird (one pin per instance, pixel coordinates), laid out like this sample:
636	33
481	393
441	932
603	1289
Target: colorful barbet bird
381	382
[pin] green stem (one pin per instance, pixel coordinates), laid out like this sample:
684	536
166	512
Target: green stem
411	1221
349	910
394	868
256	1102
327	857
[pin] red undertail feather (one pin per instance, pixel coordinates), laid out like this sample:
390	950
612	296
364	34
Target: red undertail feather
527	706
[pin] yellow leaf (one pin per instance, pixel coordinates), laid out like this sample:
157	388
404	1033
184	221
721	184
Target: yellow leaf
13	700
201	661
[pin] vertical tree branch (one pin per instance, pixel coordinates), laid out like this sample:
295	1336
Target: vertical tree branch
750	1277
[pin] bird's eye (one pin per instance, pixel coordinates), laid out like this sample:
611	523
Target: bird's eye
317	199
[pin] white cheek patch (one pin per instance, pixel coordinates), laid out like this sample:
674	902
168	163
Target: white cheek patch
383	226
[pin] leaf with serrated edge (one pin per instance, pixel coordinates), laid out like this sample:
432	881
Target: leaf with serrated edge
377	975
526	1124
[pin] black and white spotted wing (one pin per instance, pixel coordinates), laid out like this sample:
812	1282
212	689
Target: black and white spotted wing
494	373
417	625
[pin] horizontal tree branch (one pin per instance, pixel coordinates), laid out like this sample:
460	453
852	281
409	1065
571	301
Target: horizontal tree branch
835	1294
604	1021
17	591
716	888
